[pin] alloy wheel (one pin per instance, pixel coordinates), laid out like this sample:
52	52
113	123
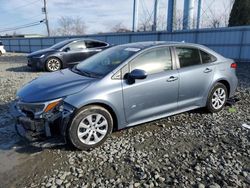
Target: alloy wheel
218	98
53	64
92	129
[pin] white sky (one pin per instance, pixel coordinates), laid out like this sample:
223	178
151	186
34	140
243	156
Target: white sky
98	15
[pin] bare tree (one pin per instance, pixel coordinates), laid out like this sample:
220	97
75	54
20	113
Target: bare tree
214	19
119	28
70	26
178	21
215	23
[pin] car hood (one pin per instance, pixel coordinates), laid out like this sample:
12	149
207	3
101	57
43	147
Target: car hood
40	52
53	85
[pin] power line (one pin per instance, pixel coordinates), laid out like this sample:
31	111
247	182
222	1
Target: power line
14	23
20	7
22	26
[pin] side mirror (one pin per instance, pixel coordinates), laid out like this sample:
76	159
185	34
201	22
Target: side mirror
66	49
136	75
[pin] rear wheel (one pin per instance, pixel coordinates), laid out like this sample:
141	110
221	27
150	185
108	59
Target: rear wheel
53	64
90	127
217	98
1	53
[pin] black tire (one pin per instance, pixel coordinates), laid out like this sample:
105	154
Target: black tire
1	53
79	117
57	61
210	107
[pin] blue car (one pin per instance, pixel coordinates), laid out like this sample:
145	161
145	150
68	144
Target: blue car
123	86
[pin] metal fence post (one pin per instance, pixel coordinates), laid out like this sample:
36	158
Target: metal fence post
241	43
129	37
29	45
10	45
19	47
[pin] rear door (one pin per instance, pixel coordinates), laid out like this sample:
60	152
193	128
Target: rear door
157	94
195	76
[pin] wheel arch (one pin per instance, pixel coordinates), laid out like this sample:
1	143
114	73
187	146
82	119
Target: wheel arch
225	83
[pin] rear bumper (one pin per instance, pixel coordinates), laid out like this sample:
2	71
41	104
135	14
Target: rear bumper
3	51
233	86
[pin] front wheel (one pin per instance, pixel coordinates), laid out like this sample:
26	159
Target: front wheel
90	127
217	98
53	64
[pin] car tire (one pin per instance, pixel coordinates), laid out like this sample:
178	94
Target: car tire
1	53
217	98
53	64
90	127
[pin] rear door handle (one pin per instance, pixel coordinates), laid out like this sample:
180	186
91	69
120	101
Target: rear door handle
207	70
172	78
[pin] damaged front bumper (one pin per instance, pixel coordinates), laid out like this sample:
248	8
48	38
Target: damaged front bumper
44	125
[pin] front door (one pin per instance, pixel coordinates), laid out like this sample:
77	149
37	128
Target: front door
76	52
155	95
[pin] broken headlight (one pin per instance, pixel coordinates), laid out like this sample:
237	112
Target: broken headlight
38	110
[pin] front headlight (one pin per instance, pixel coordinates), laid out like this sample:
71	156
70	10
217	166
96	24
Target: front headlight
38	108
52	104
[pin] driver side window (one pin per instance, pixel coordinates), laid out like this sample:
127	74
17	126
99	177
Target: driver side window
154	61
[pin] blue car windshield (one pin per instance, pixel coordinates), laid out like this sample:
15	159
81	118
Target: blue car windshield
104	62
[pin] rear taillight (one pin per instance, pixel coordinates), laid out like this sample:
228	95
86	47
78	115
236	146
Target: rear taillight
234	65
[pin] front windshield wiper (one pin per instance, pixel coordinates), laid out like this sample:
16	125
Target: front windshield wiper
85	73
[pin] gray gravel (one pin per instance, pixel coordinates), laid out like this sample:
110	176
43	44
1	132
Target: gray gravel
193	149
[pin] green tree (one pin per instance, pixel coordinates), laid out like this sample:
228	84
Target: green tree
240	14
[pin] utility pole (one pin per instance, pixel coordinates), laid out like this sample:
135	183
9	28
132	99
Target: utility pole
155	16
135	15
188	15
198	15
44	10
171	15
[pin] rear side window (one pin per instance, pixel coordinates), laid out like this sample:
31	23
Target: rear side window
207	58
94	44
153	61
1	43
76	46
188	56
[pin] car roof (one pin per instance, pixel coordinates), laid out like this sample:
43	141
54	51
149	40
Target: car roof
148	44
83	39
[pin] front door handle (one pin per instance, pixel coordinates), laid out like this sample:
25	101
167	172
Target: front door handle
207	70
172	78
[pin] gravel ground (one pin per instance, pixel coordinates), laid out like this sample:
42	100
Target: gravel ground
192	149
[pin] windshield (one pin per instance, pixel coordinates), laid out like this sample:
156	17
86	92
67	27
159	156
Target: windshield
60	44
106	61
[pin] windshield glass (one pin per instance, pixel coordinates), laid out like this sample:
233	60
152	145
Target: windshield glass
60	44
106	61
